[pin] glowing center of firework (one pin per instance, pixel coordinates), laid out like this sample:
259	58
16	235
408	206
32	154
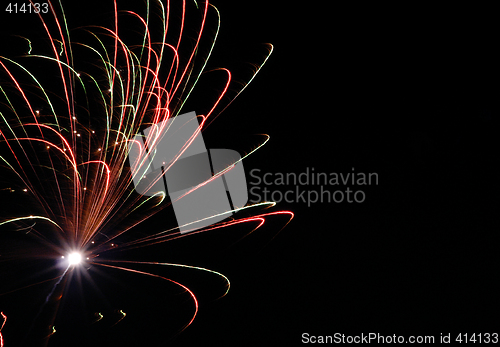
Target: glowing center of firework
74	258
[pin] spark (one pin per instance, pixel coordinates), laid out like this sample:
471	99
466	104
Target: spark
52	330
122	316
99	317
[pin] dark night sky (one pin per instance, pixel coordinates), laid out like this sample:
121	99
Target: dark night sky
409	93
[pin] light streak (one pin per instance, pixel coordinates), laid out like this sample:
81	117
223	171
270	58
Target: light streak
4	320
226	279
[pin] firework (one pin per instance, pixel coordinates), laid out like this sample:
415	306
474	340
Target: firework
66	125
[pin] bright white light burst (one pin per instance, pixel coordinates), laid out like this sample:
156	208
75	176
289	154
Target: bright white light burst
74	258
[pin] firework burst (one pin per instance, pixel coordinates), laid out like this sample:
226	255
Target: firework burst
66	125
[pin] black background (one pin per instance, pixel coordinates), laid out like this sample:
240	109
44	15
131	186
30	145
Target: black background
408	92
